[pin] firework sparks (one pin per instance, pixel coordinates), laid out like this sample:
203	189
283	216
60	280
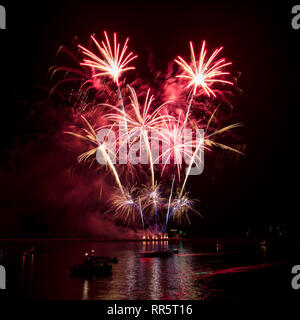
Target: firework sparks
172	135
77	85
208	142
126	206
204	72
91	136
181	206
152	196
113	62
140	120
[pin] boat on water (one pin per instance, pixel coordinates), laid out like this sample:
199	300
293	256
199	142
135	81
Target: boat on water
93	265
158	253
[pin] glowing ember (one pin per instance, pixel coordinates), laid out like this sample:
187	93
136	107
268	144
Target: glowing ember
204	72
112	62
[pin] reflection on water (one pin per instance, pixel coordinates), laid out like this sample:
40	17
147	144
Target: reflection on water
189	275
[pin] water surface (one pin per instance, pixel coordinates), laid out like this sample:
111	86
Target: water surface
196	273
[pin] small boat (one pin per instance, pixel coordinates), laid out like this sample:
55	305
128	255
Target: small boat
93	265
158	254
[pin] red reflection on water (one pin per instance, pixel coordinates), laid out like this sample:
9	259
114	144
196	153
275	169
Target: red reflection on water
239	269
146	259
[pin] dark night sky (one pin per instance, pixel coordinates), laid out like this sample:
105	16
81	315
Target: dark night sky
258	38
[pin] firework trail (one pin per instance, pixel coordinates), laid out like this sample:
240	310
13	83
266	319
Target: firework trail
169	203
91	136
152	196
177	144
141	122
207	142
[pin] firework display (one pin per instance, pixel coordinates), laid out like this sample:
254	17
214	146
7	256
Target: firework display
149	142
